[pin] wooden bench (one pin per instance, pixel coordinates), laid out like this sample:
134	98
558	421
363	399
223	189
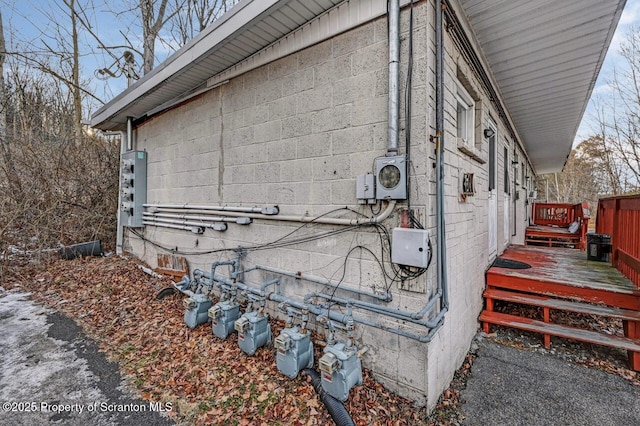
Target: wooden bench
550	236
630	318
551	222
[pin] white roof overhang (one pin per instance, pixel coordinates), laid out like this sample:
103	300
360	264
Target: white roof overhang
545	56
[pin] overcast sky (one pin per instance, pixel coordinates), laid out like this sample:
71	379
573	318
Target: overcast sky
630	17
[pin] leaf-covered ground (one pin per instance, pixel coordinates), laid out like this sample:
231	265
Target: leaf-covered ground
208	380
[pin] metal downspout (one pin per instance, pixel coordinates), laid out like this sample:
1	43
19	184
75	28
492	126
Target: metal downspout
129	133
119	227
441	244
394	69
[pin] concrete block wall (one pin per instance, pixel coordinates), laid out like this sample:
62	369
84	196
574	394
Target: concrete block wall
296	133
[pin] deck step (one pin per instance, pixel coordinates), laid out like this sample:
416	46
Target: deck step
560	331
562	305
548	286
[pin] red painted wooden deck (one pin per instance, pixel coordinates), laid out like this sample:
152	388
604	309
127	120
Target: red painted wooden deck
563	279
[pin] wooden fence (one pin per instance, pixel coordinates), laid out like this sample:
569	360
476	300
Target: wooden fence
620	218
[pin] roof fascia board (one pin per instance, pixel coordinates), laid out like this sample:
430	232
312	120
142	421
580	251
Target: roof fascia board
324	26
339	19
248	11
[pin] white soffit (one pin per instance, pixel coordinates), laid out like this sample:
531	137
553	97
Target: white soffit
252	33
545	56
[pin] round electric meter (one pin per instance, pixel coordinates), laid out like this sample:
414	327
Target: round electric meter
389	176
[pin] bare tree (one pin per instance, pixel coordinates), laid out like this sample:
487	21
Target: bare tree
619	118
194	16
153	20
583	178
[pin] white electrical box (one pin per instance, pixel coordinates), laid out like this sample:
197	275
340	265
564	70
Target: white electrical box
410	247
366	189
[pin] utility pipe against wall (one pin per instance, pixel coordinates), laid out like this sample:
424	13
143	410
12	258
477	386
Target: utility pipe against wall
394	73
119	227
413	317
215	226
171	226
314	309
239	220
331	315
306	219
385	297
129	133
271	210
441	243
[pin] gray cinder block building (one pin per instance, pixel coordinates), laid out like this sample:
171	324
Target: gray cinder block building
385	150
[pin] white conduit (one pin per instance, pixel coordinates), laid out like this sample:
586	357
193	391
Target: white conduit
216	226
152	215
168	225
304	219
263	210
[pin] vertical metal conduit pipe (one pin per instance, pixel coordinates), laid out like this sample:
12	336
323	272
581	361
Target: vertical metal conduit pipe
393	7
129	133
442	245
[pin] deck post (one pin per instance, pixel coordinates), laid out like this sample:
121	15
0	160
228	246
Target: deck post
486	326
614	233
547	338
632	331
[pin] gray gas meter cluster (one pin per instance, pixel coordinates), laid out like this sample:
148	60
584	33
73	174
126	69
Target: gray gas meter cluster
195	310
254	331
294	351
133	188
340	369
223	317
340	365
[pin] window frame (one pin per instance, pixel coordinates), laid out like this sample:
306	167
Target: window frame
465	102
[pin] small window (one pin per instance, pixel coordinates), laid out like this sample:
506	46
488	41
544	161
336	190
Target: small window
465	115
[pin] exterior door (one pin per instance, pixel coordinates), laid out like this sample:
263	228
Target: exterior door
507	195
492	211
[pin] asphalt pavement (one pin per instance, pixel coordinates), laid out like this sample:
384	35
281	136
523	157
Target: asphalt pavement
510	386
51	373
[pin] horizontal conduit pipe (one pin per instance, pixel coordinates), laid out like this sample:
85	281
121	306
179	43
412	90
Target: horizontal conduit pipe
194	217
188	206
332	315
157	220
403	315
306	219
167	225
385	297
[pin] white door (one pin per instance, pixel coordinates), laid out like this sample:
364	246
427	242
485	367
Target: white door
493	193
507	195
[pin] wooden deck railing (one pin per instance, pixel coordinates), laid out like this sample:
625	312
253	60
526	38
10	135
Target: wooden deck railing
562	215
620	218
